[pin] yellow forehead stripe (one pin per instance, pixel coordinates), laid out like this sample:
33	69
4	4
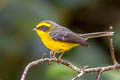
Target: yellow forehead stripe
42	23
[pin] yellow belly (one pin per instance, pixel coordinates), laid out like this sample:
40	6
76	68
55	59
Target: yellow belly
53	45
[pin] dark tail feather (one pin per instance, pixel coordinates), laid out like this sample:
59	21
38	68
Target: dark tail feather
96	34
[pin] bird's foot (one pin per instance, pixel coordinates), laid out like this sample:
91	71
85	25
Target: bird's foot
59	58
52	54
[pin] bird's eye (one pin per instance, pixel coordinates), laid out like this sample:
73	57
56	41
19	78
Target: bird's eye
43	28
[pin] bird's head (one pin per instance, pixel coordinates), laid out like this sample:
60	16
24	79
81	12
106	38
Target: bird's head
45	26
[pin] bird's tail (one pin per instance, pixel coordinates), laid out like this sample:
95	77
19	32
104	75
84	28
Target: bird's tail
96	34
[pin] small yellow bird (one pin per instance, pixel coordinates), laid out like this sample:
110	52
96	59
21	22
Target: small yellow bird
60	39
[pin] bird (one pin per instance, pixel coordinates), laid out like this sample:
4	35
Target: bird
60	39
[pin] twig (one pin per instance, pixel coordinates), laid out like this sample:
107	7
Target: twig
81	72
98	69
112	48
48	60
99	74
79	75
44	54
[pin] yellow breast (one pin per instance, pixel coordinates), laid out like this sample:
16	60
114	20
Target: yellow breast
54	45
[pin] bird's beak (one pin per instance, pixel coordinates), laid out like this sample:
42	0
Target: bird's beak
34	29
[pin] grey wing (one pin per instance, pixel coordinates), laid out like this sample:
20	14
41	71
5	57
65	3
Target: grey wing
71	37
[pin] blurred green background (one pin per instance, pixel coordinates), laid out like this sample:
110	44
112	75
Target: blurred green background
19	45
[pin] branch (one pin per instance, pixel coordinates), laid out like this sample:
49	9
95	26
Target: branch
81	72
112	48
31	64
99	74
79	75
98	69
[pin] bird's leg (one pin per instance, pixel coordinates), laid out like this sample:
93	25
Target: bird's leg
52	54
59	58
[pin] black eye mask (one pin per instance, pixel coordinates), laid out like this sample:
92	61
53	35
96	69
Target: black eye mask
43	28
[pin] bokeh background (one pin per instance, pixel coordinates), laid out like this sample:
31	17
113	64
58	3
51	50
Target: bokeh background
19	45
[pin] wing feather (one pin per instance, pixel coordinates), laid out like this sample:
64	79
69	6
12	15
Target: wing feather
66	36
